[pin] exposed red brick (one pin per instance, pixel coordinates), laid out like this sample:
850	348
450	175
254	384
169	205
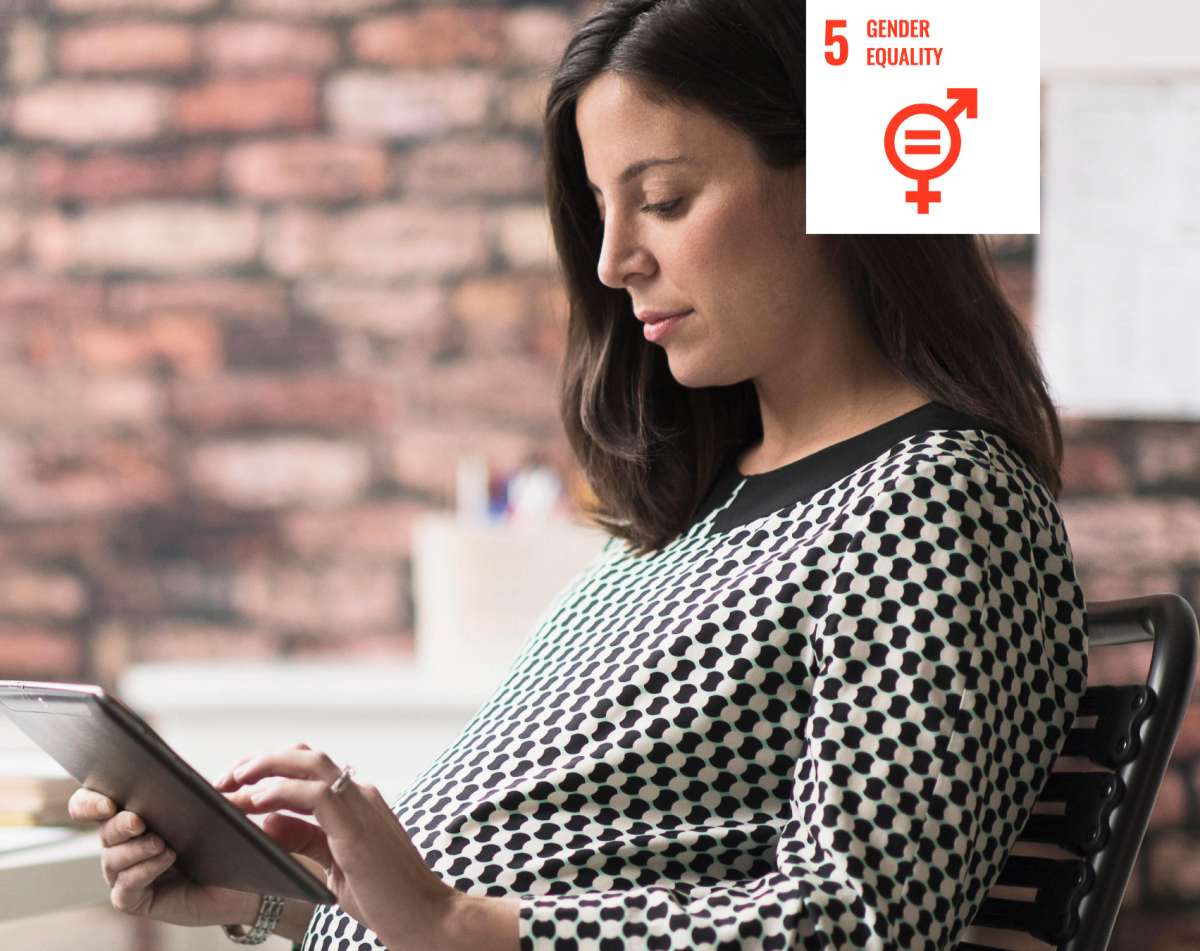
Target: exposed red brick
12	233
321	169
1175	873
190	343
156	237
1092	468
377	241
81	113
551	310
10	174
169	7
288	346
1147	534
434	36
496	168
192	641
505	386
55	595
397	645
495	311
256	45
1122	664
426	457
321	403
222	297
73	478
127	48
196	531
1016	281
72	402
115	176
308	8
523	102
522	234
248	105
1170	808
280	472
493	301
1187	745
346	598
35	298
1137	930
409	104
410	313
28	52
1115	582
28	652
536	36
1168	456
378	529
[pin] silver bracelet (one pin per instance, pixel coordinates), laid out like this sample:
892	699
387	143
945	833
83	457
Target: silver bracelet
264	925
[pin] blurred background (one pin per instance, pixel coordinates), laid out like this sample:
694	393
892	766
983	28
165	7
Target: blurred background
279	331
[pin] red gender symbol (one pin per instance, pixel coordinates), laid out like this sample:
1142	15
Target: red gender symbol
964	100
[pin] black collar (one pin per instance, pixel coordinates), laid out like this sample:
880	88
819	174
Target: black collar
788	485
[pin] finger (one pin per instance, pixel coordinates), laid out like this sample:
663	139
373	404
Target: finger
293	763
228	781
115	859
86	805
277	793
225	781
122	827
303	838
131	891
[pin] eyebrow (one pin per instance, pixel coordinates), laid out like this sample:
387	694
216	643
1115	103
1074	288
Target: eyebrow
637	168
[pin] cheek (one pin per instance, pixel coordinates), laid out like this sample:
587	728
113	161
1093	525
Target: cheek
722	253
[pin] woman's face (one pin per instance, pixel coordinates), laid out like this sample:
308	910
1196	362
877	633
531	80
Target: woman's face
708	241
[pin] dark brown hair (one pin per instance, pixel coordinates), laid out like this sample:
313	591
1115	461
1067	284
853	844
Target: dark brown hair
651	447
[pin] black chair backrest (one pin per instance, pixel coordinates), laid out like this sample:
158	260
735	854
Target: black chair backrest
1078	848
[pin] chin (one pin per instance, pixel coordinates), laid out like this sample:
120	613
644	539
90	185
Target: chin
697	373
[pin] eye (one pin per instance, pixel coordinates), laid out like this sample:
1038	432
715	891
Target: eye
664	208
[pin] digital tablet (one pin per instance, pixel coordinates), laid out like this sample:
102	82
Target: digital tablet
109	748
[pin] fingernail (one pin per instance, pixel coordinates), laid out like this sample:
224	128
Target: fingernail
136	824
105	809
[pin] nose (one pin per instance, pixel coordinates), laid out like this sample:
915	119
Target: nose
624	259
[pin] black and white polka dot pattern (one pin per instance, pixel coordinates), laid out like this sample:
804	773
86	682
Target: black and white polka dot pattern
822	729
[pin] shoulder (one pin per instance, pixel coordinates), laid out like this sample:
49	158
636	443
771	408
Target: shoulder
966	483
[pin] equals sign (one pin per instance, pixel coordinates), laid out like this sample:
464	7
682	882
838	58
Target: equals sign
922	134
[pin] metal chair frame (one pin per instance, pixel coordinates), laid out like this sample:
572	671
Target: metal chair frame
1106	812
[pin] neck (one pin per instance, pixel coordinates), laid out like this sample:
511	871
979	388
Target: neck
839	387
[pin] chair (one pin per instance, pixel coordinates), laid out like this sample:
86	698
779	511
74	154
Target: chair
1077	850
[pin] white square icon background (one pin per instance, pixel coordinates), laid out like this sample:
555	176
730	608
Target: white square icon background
993	185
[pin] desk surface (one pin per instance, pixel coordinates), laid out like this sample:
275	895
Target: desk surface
53	876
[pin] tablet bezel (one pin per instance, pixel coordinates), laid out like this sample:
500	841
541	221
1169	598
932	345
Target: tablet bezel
30	698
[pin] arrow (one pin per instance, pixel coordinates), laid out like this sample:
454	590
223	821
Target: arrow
967	99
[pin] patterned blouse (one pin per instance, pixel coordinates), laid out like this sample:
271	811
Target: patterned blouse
816	719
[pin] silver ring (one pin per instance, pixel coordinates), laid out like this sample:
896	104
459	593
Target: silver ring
338	786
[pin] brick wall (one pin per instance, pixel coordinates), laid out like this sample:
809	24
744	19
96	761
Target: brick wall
267	267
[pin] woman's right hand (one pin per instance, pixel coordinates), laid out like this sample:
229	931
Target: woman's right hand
137	866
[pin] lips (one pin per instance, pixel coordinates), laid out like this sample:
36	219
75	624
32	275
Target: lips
660	323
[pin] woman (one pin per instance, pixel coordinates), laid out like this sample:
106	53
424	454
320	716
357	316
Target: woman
808	694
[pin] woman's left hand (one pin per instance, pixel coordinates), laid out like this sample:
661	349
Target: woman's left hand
370	863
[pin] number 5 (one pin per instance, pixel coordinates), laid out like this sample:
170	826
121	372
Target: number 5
838	41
